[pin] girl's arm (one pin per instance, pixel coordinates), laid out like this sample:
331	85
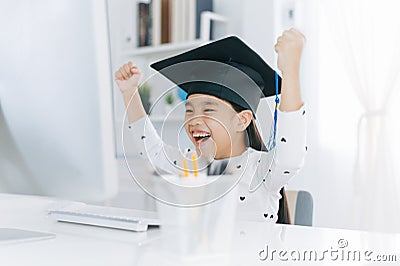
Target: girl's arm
289	47
148	143
127	78
291	146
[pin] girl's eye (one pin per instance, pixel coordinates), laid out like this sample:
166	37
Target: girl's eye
209	110
189	111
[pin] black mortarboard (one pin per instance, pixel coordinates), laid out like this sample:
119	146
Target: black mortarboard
226	68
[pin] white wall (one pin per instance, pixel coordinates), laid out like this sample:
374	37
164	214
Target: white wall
253	21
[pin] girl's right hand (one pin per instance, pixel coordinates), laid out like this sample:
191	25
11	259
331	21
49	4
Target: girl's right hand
127	78
289	47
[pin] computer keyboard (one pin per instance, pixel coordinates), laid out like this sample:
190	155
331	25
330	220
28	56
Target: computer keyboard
111	217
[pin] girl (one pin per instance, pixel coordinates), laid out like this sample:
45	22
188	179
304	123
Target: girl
220	119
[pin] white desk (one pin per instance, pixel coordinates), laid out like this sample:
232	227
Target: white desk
86	245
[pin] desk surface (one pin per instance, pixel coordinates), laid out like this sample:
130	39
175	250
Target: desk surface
249	243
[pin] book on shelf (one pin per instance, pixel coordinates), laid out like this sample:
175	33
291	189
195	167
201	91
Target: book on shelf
191	22
156	21
201	6
170	21
166	21
144	24
183	20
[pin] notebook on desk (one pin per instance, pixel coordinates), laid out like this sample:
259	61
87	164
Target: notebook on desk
14	235
103	216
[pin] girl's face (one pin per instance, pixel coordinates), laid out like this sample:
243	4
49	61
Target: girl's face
213	126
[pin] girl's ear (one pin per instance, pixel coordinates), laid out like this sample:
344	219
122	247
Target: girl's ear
245	118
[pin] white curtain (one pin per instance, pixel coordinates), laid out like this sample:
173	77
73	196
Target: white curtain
367	34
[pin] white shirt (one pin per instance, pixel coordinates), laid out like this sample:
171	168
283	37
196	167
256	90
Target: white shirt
260	175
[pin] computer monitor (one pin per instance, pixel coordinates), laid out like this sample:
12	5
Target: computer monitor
56	118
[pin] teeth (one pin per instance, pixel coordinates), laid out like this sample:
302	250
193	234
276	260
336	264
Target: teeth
200	135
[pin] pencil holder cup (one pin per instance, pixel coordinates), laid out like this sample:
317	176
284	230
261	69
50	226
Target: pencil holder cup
198	231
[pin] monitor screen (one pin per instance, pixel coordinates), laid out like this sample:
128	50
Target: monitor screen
56	122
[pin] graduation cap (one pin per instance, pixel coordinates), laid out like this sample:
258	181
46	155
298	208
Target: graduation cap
226	68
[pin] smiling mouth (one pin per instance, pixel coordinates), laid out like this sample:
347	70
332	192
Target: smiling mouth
200	136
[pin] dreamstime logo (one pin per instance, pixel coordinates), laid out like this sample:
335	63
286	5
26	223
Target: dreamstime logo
342	243
341	253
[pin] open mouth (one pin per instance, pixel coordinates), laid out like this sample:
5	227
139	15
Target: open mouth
200	136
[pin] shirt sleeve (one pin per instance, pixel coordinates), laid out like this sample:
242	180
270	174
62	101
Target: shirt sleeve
290	149
150	146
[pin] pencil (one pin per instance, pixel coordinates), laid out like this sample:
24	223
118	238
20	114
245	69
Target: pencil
185	168
194	161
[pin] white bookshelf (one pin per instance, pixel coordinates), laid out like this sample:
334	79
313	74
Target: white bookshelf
124	37
163	48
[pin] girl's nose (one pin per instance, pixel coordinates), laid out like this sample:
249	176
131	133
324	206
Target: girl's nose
195	121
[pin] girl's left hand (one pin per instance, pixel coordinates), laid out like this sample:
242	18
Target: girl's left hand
289	47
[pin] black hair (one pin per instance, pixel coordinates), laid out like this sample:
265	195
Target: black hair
255	141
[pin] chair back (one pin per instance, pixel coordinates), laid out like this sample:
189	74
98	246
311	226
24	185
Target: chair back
301	207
